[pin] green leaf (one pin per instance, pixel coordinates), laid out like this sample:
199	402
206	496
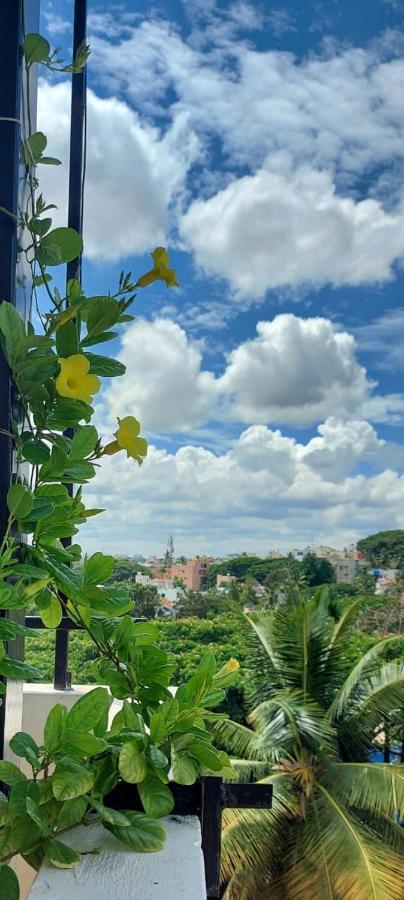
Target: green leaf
49	161
132	763
60	855
98	568
183	768
19	501
49	608
110	815
207	755
88	710
156	797
144	835
105	366
83	442
67	342
61	245
9	629
103	312
9	887
33	150
23	744
71	782
10	774
40	226
54	727
72	812
36	49
11	327
35	451
99	338
88	744
14	668
37	815
157	757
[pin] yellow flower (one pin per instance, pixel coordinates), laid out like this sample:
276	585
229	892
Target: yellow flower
227	675
160	270
74	381
127	438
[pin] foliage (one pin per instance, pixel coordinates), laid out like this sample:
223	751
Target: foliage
204	604
384	549
331	831
126	569
317	571
252	566
146	600
186	640
81	758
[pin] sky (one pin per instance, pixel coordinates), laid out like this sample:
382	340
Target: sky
263	144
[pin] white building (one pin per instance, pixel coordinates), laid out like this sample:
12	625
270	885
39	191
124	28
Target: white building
164	586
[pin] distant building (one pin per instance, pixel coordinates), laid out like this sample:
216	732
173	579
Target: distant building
164	587
345	570
193	573
222	580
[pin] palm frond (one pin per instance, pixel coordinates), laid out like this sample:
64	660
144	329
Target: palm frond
360	865
263	627
237	739
376	787
290	720
383	692
247	770
254	841
344	623
361	669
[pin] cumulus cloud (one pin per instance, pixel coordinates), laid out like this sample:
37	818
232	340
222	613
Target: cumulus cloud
295	371
133	176
281	228
311	128
164	383
266	490
341	109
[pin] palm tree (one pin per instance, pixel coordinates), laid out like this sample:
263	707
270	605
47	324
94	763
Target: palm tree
333	832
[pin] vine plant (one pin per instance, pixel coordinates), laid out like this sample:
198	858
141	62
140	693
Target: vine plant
155	738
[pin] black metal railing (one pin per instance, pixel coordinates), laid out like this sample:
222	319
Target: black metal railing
207	799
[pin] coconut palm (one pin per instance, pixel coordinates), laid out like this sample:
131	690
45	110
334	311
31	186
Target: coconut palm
333	831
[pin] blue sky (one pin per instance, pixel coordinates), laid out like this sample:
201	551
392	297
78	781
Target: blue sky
264	145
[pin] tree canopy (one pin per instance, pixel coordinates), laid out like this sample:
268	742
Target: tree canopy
384	549
251	566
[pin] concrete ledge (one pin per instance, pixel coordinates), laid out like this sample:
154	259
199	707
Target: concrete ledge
175	873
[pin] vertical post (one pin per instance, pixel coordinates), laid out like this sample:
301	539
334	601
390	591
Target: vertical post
75	220
15	284
211	824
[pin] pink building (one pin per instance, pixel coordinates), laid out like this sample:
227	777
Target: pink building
224	579
193	573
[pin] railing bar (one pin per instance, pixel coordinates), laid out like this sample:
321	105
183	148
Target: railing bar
75	220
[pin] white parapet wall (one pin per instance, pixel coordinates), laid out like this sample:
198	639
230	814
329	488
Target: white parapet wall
116	873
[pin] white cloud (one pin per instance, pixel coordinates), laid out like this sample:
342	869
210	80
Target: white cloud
133	174
338	110
281	228
304	129
296	371
164	384
384	337
266	490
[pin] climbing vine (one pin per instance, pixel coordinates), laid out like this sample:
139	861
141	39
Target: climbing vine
155	738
